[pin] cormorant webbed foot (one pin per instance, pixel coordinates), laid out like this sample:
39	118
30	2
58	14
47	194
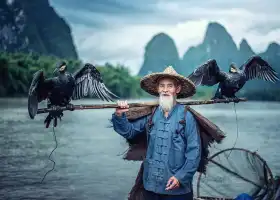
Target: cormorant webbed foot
70	107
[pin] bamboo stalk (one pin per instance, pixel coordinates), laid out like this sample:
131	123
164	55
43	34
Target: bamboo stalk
144	104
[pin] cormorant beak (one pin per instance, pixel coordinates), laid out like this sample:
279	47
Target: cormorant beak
233	69
62	68
55	70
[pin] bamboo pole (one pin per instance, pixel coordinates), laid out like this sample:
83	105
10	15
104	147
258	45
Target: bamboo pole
144	104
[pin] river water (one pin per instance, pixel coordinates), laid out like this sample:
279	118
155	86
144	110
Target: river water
88	160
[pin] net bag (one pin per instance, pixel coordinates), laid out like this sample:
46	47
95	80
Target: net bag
234	171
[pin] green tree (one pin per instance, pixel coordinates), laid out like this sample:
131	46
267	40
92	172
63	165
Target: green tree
17	69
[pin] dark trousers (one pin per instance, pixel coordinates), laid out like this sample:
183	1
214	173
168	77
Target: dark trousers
153	196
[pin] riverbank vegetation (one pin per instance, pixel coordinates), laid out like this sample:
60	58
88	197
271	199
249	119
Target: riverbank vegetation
17	69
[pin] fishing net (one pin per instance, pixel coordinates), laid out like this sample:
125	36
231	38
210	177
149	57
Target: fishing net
231	172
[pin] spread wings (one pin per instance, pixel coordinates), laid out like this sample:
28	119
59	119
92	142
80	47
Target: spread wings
256	67
207	74
38	91
88	82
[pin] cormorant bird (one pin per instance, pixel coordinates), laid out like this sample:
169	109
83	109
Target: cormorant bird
229	83
59	90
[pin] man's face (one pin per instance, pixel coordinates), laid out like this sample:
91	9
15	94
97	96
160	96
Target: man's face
168	91
168	87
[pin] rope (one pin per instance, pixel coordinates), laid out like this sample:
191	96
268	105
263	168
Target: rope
50	156
237	130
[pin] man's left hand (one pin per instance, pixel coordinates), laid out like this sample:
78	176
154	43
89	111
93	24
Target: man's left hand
172	183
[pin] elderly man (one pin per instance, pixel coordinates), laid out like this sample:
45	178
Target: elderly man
174	149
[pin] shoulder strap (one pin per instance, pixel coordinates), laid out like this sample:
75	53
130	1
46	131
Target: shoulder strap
150	120
183	121
150	123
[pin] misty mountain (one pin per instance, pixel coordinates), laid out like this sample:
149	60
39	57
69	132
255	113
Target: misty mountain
159	52
217	44
34	26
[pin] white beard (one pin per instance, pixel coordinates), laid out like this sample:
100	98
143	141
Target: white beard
166	102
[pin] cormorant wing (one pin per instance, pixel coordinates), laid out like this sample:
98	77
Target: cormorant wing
256	67
208	74
88	81
38	91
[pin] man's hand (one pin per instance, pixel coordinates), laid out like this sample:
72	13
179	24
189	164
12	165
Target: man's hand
122	107
172	183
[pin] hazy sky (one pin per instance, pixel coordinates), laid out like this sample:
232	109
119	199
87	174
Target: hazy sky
117	31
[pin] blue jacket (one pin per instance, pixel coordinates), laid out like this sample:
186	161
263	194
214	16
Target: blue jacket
172	149
243	196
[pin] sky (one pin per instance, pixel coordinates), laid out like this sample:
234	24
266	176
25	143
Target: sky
117	31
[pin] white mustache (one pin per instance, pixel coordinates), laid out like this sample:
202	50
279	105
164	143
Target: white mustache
166	101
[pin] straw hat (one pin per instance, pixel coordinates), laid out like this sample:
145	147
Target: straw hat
149	83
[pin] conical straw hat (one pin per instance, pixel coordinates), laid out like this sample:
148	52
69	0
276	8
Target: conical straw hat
149	83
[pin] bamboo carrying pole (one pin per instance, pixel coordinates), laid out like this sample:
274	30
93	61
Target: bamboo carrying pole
145	104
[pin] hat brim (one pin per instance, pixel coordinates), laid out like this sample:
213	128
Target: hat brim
149	83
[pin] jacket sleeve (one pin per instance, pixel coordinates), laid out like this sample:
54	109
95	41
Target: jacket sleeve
193	151
128	129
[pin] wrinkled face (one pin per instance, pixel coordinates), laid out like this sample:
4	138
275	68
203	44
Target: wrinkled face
168	90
